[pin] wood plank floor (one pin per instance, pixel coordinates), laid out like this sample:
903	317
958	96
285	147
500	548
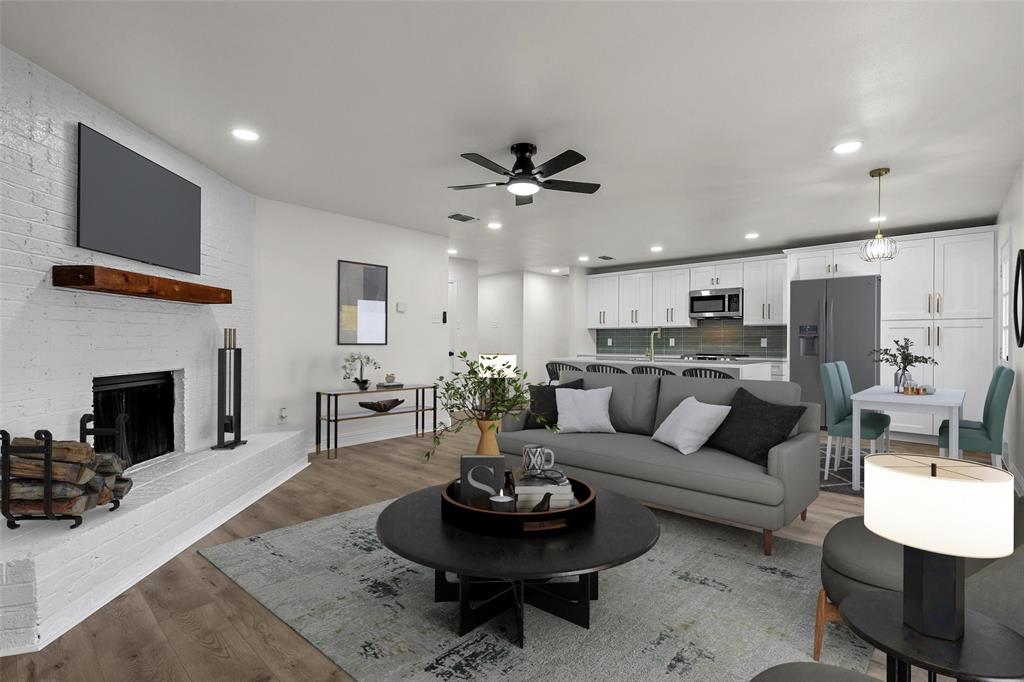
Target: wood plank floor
188	622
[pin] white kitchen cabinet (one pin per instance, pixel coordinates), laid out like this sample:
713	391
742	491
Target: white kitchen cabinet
777	283
963	349
603	302
907	279
813	264
671	298
923	336
964	281
723	276
764	285
755	292
846	262
635	293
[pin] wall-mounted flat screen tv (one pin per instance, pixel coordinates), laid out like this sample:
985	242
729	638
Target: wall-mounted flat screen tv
129	206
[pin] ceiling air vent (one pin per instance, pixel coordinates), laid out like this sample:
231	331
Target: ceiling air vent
462	217
605	258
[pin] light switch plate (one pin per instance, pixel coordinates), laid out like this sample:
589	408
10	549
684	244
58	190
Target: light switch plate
609	342
671	341
399	306
764	342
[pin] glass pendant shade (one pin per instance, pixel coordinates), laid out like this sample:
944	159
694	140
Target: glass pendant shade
879	247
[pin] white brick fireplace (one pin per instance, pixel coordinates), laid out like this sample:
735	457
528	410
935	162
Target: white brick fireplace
54	341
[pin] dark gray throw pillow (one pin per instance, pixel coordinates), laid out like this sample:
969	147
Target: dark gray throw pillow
754	426
543	408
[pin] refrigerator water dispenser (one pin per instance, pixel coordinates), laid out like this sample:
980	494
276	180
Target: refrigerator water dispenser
808	340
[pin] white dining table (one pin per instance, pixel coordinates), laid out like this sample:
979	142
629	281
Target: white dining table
946	402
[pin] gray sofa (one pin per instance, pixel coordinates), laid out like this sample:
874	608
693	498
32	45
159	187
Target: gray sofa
707	482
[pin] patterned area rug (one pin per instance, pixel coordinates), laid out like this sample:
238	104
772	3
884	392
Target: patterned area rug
839	480
704	604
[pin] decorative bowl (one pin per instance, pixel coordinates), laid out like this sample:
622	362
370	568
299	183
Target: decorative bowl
381	405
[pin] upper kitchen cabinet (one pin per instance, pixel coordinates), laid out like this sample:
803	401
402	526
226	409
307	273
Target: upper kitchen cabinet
764	285
907	280
635	291
846	262
841	261
602	301
723	276
671	298
812	264
964	282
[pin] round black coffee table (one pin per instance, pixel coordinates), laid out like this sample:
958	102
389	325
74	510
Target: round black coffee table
498	573
988	651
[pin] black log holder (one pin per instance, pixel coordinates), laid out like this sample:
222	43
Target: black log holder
229	393
120	440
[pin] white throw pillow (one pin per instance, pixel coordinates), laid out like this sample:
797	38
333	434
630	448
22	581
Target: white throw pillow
581	411
690	425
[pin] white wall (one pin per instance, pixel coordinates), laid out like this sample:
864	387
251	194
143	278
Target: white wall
500	306
581	339
54	341
296	275
1011	221
547	314
464	273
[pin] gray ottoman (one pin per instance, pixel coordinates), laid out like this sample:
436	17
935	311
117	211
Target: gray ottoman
810	672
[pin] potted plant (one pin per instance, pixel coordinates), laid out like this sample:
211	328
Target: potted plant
353	367
482	394
903	358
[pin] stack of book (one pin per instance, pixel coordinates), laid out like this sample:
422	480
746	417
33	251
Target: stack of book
530	491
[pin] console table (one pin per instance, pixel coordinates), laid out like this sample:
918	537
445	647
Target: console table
332	415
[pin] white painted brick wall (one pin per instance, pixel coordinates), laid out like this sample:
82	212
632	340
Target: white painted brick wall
52	341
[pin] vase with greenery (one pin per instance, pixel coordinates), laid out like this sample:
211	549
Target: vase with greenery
482	393
902	358
353	368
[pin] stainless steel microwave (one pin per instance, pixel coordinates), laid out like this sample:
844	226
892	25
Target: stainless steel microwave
727	303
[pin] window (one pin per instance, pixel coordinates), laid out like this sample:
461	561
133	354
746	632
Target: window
1005	301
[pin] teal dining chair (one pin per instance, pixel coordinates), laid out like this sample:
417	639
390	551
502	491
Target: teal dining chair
847	383
839	416
986	435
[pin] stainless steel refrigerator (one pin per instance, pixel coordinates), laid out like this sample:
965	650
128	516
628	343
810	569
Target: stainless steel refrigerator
829	320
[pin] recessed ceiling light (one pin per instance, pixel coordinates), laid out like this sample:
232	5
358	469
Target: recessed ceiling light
583	259
452	252
245	134
494	225
554	271
751	235
847	147
877	219
655	249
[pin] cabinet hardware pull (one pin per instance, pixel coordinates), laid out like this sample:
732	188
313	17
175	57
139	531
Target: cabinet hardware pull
769	311
762	311
929	301
938	336
837	267
828	267
929	341
938	303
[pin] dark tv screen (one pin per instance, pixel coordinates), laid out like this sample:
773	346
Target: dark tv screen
129	206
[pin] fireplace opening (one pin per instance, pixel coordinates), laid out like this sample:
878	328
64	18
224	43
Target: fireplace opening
148	400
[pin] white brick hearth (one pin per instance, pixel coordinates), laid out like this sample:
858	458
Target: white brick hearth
54	577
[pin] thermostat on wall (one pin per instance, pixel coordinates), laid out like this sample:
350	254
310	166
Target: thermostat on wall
399	306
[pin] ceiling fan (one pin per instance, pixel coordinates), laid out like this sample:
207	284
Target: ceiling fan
525	179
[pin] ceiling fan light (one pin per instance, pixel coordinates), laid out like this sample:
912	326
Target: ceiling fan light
523	188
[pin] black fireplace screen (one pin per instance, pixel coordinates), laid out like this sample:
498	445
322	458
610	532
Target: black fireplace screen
148	400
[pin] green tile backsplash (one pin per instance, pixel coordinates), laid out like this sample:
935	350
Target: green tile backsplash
709	336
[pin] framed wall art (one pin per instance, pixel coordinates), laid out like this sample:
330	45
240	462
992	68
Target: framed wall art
362	304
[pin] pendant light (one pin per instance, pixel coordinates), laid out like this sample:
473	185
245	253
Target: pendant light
879	248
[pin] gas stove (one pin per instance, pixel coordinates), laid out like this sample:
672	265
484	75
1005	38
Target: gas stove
721	357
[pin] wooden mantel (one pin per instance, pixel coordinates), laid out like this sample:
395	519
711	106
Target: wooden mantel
113	281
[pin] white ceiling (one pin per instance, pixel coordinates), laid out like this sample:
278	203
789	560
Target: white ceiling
702	121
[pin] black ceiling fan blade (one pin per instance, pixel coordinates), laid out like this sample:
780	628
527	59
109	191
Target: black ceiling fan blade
524	199
566	159
486	163
569	186
478	186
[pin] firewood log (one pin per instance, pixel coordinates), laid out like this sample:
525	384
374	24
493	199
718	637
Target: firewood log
121	487
30	489
75	505
62	471
108	463
104	496
100	481
63	450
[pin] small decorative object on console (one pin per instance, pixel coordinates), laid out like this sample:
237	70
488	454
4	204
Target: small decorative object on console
381	405
353	366
229	392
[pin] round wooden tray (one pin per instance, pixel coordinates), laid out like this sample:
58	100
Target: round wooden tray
519	524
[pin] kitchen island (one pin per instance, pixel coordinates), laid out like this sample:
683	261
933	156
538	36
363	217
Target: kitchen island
745	369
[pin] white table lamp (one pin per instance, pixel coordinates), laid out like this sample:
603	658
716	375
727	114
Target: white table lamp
941	510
